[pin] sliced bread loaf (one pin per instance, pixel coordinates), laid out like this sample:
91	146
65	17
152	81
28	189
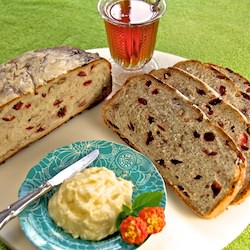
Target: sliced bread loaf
195	157
219	82
42	89
242	83
217	110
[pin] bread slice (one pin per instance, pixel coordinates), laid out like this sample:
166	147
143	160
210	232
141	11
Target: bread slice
220	83
195	157
242	83
217	110
41	90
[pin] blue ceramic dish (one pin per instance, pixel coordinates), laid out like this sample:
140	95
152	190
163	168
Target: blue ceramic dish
123	160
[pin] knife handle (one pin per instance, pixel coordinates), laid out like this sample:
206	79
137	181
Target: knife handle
15	208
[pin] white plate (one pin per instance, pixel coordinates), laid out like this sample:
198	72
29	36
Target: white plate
184	230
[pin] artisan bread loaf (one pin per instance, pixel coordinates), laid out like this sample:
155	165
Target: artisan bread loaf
242	83
42	89
227	89
217	110
194	156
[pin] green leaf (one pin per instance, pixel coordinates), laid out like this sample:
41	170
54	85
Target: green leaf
149	199
126	211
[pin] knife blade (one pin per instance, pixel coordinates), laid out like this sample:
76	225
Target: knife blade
15	208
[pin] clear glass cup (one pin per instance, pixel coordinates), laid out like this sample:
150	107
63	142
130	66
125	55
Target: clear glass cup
131	28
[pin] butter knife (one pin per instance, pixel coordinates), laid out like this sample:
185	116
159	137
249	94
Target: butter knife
15	208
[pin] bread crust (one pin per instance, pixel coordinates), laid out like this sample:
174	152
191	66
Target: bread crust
220	79
43	106
219	82
216	109
239	169
240	81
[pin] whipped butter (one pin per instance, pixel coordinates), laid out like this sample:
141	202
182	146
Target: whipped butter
88	204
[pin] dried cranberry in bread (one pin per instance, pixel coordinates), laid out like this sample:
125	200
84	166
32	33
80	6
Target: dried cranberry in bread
217	110
220	83
42	89
195	157
242	83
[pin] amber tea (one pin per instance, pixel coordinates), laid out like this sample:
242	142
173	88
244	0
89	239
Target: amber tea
131	27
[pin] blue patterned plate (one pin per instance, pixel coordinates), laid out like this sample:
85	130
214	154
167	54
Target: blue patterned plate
124	161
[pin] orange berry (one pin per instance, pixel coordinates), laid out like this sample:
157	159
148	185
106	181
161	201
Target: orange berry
154	217
134	230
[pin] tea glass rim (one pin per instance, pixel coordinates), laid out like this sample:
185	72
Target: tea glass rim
102	4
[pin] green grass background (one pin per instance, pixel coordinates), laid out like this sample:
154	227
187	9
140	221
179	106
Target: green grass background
216	31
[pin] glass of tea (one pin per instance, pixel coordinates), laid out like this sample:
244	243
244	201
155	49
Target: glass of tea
131	27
